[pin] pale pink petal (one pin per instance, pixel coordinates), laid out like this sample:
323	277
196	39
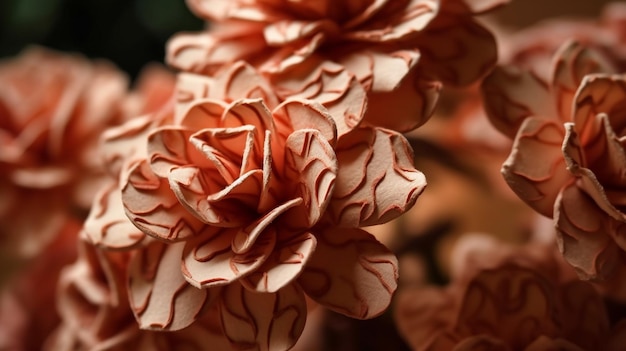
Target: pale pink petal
572	63
287	261
263	321
329	84
107	225
457	50
310	162
208	260
376	181
152	206
584	234
575	159
350	273
511	95
159	295
535	169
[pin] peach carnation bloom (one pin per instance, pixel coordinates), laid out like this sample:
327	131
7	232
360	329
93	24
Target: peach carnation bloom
52	110
521	299
567	159
399	50
244	202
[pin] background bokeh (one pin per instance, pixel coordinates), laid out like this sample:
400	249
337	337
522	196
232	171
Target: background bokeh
128	32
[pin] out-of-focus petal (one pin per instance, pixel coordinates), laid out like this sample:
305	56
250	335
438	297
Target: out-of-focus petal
457	50
573	62
511	95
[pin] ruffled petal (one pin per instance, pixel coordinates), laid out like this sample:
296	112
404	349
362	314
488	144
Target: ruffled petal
392	23
252	112
264	322
107	225
572	63
600	94
584	234
575	161
296	114
535	170
376	181
330	85
311	163
152	206
159	295
238	81
350	273
208	260
511	95
380	70
407	107
284	265
197	190
169	148
205	52
245	238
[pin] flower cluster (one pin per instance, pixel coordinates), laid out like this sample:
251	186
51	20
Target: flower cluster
267	178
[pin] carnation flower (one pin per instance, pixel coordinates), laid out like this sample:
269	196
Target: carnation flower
52	109
399	50
520	299
254	201
567	156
